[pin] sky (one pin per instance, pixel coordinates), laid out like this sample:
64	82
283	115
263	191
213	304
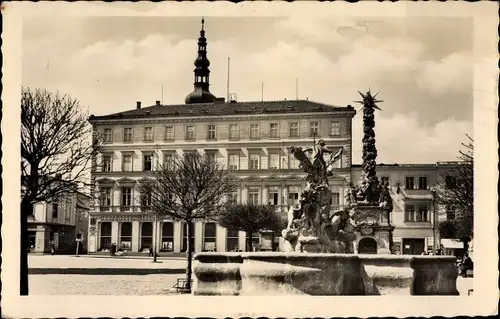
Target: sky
420	65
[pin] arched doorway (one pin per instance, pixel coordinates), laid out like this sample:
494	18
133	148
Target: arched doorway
146	236
105	236
367	245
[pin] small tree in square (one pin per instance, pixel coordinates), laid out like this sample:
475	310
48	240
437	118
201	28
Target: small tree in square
251	218
187	189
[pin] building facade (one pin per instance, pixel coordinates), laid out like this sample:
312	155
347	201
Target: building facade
60	223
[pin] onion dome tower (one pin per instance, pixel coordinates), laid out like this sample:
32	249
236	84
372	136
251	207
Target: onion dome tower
201	93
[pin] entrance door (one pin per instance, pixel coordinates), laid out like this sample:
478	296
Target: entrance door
413	246
367	245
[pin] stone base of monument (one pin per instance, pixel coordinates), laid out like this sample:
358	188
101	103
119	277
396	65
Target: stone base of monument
256	274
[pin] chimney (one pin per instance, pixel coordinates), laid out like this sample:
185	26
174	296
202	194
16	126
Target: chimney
157	103
138	104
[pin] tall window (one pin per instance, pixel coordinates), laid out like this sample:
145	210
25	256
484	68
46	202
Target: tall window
211	157
254	161
127	134
148	162
273	130
232	240
127	163
274	197
274	161
55	210
234	131
410	182
146	199
409	213
335	199
293	162
167	236
146	236
169	133
209	237
148	134
168	159
211	132
234	161
254	131
294	129
105	197
422	182
422	215
253	196
126	197
126	236
108	135
106	163
314	131
232	198
189	132
104	235
334	128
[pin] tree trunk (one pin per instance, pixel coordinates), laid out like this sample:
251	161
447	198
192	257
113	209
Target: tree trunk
249	241
26	210
189	270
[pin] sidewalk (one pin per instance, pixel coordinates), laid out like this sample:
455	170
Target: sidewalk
105	265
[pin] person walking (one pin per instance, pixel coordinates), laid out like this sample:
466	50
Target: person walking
52	248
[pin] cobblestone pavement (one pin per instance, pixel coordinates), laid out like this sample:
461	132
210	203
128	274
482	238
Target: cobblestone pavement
61	261
129	284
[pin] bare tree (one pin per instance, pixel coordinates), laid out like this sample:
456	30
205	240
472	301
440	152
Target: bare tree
455	193
189	188
57	148
250	219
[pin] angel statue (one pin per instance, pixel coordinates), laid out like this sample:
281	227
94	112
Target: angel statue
321	169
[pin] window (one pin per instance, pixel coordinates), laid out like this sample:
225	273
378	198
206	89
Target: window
254	161
253	196
105	199
105	236
126	197
314	128
232	198
169	133
334	128
127	134
293	198
211	157
167	237
108	135
93	221
451	182
422	182
146	236
211	132
274	161
168	159
189	132
55	210
293	162
234	131
209	236
148	163
232	240
126	236
106	163
146	200
410	182
409	213
234	161
422	215
127	163
254	131
148	134
385	179
294	129
335	200
273	130
274	197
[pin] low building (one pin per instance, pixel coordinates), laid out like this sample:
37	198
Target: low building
60	223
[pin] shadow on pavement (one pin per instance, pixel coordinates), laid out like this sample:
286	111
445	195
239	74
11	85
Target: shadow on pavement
104	271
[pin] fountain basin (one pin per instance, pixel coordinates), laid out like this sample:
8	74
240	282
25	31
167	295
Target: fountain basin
269	273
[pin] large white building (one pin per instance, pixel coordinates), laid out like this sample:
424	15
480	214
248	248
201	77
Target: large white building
250	139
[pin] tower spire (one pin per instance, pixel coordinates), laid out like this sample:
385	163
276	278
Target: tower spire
201	93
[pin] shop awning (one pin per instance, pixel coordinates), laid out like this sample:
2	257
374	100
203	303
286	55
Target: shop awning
452	244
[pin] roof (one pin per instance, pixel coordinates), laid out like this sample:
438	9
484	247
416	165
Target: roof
382	165
224	108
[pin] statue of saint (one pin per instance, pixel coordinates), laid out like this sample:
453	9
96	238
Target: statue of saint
320	168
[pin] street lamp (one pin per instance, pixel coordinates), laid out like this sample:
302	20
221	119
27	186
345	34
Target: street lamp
434	218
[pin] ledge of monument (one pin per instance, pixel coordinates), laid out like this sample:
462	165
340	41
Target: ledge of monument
226	257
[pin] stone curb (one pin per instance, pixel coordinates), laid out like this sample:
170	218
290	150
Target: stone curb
105	271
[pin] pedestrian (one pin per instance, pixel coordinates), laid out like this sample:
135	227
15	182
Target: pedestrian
113	249
151	251
52	248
